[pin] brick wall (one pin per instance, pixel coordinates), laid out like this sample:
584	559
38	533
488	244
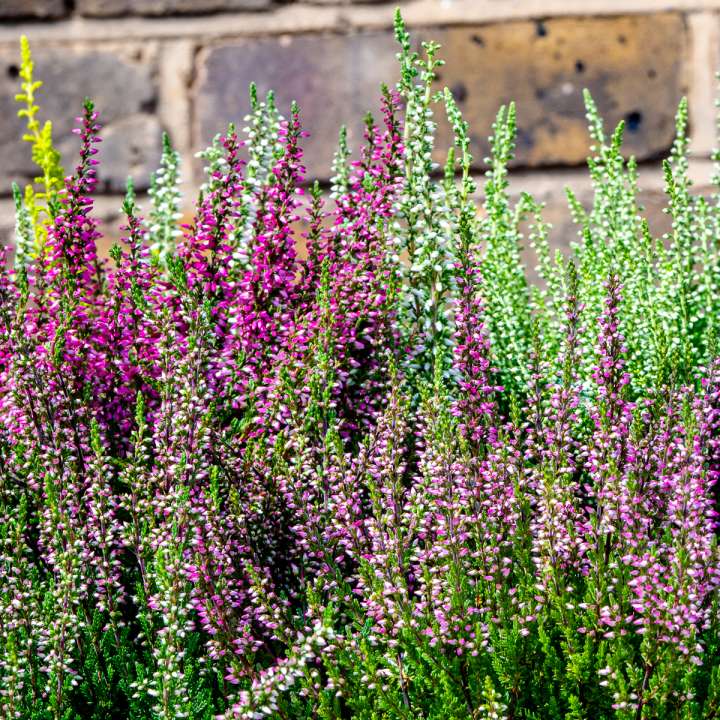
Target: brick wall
185	65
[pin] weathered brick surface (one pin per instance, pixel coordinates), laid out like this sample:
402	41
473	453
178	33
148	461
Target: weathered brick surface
32	8
637	66
335	80
116	8
131	147
632	65
349	2
124	93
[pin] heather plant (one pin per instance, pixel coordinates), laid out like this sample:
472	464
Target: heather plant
165	195
37	205
387	479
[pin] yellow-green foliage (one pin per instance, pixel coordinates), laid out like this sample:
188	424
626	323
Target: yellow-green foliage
41	202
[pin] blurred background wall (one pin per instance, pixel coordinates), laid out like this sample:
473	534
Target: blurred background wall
184	66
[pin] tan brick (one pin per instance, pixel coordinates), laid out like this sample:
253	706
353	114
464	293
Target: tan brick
335	80
634	66
117	8
32	8
175	73
119	81
704	64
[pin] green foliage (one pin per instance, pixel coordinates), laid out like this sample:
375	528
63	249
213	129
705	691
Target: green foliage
24	230
669	310
423	217
533	644
42	203
165	195
505	288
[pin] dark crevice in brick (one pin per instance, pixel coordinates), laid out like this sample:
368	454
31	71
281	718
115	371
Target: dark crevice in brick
633	120
149	105
459	91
